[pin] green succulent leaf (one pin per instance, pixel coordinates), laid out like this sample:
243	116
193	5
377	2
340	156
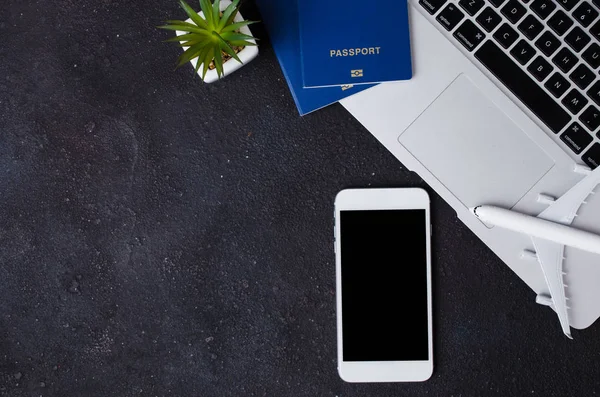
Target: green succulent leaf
206	7
227	48
235	26
236	8
227	13
183	28
200	59
242	43
228	36
190	54
207	58
176	22
189	37
216	11
219	63
189	43
198	64
183	37
198	20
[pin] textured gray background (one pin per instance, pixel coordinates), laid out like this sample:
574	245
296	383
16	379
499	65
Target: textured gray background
163	237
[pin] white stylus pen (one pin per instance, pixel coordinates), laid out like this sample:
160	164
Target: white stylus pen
539	228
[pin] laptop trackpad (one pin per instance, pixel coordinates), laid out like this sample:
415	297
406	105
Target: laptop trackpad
474	149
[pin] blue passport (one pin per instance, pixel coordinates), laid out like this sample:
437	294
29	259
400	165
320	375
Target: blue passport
281	20
354	42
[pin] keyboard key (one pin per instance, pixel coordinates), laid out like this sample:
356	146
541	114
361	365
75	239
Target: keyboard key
574	101
432	6
592	55
595	31
576	138
547	43
497	3
557	85
543	8
590	118
540	69
522	86
522	52
469	35
471	6
596	3
450	17
506	35
488	19
592	156
560	22
594	92
513	10
568	4
582	76
585	14
565	59
531	27
577	39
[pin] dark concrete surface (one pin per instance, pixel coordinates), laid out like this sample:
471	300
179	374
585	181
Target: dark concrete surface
162	237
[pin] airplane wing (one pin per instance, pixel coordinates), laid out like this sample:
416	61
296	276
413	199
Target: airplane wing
550	255
564	210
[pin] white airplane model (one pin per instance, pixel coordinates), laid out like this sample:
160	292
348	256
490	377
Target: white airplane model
550	233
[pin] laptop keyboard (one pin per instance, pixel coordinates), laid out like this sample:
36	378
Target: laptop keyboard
546	52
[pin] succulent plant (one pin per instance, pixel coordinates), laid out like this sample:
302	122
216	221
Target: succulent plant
211	36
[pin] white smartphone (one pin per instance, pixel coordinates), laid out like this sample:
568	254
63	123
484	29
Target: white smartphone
383	279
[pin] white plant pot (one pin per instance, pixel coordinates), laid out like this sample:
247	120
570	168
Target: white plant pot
246	55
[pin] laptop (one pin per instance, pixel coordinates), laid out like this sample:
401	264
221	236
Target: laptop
503	109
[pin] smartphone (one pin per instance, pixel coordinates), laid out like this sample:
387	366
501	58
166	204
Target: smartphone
383	285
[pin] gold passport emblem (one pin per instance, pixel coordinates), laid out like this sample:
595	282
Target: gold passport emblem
356	73
347	87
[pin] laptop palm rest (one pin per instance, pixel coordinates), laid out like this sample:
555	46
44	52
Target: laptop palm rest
473	149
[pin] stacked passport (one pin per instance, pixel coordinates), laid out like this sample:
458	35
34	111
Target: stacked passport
330	49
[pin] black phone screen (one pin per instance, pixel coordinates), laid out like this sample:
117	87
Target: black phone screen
384	285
